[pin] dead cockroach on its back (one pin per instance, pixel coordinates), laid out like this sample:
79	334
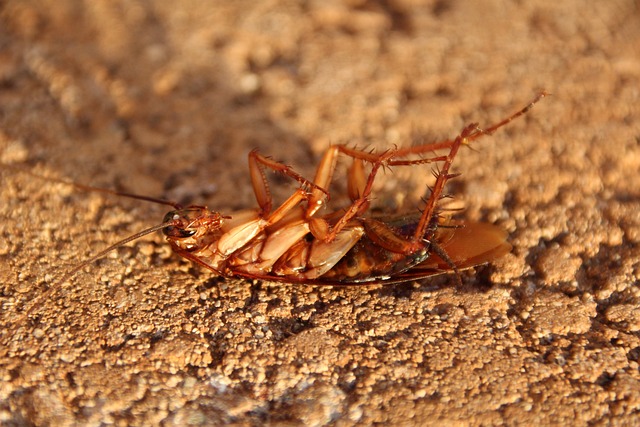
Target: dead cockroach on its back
299	242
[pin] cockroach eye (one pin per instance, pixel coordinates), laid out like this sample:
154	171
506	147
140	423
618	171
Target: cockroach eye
175	231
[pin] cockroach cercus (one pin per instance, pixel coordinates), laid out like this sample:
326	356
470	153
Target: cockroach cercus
300	243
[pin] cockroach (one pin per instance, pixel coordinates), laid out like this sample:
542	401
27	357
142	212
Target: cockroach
298	242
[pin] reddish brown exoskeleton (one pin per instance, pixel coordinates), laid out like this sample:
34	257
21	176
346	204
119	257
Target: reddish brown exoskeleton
297	242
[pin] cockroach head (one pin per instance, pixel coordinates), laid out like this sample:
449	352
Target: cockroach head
193	221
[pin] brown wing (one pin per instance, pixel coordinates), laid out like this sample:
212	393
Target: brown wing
472	244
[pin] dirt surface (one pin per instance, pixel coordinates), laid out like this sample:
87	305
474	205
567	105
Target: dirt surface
167	98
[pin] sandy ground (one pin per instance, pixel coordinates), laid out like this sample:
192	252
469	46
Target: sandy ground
167	98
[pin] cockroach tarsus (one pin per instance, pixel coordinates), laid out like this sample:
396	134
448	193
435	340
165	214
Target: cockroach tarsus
297	243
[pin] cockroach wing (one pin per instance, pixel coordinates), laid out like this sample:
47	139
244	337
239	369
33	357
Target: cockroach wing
472	244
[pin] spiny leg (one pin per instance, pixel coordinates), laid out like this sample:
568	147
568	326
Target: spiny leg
323	177
380	232
441	179
356	178
359	187
468	134
361	203
324	174
477	133
488	131
390	158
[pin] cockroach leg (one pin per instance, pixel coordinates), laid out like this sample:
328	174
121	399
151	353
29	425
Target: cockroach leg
360	187
468	134
356	179
257	163
293	201
322	178
429	210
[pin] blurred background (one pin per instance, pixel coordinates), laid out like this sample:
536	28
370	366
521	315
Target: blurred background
167	98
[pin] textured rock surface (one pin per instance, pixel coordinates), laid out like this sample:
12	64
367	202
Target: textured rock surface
167	98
